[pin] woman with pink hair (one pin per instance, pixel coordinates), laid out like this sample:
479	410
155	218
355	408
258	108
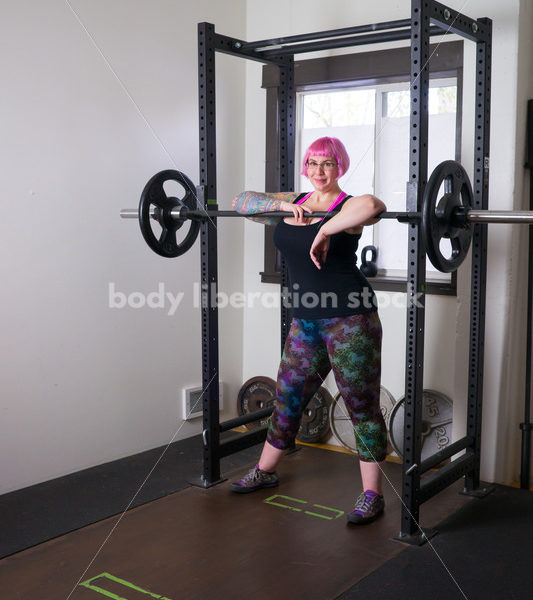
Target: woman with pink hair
335	324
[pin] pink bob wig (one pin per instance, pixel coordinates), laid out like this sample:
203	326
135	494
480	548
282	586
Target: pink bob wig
328	146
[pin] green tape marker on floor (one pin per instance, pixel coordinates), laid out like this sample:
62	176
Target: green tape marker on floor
338	513
89	584
270	501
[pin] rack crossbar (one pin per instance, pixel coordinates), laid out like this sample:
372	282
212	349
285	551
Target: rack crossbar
234	47
455	22
438	457
357	40
436	482
318	35
245	440
244	419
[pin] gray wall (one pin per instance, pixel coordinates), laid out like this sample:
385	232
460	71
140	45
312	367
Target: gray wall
83	383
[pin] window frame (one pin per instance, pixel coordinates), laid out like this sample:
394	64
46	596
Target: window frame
349	70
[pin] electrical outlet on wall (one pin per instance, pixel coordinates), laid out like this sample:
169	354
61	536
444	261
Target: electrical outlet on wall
192	402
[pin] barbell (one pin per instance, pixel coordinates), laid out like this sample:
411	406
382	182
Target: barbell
447	217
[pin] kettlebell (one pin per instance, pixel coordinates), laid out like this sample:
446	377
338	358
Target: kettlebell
369	268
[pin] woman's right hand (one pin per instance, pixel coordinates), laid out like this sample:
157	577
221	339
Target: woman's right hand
297	210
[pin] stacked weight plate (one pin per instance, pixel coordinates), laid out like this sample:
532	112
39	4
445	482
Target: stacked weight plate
260	392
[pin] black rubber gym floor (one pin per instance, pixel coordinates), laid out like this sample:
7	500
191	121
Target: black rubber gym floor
44	511
485	552
285	543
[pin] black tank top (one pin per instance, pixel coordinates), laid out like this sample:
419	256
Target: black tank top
339	288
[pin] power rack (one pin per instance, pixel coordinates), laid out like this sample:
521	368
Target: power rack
428	18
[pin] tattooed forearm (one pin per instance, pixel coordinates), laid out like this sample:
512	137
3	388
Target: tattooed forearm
254	202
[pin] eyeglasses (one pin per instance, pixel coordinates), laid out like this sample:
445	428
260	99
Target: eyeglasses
327	165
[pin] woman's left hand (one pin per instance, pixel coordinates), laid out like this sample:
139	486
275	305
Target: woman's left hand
319	249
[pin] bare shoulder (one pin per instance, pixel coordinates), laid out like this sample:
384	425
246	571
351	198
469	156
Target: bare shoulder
353	202
367	200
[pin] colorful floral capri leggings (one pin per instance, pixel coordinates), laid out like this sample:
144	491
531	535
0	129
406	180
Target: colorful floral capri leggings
351	346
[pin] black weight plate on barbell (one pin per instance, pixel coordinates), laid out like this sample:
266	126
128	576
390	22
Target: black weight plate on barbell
315	419
154	195
255	394
438	221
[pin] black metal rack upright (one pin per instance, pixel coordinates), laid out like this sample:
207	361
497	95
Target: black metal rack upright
428	18
526	426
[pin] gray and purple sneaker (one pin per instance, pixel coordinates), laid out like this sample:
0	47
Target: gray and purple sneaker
368	506
255	479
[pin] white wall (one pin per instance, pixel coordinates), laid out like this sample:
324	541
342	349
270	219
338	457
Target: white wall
82	383
513	390
447	326
504	303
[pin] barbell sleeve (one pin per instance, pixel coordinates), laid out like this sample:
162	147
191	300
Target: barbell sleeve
132	213
499	216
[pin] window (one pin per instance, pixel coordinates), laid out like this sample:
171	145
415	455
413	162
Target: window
371	116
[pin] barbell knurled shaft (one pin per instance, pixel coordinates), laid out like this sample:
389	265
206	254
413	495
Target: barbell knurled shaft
180	213
481	216
279	213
